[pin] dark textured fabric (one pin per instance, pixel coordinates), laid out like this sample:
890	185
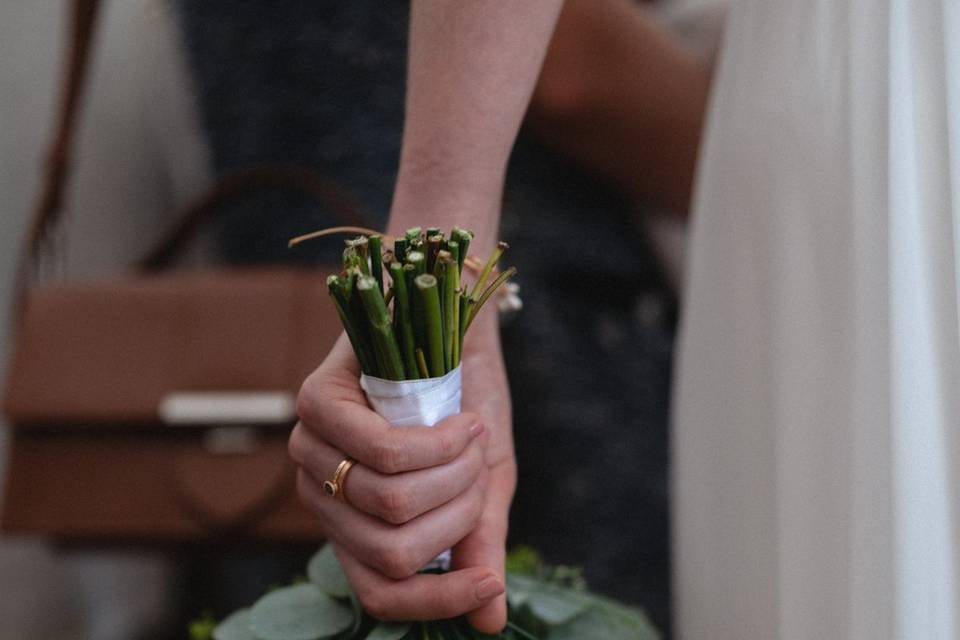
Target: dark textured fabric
315	83
321	83
589	364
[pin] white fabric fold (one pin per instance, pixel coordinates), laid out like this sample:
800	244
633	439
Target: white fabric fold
411	403
816	448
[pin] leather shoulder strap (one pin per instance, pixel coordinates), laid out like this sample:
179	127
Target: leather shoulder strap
324	192
49	200
55	173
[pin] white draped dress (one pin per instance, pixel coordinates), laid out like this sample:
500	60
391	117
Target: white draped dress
817	409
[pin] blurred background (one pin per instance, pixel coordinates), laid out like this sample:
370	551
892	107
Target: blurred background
180	94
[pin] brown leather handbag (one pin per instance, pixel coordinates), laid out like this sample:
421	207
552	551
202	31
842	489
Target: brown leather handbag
155	405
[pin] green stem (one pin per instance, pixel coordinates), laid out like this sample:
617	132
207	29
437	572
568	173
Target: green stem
463	238
352	260
430	297
422	364
416	314
400	249
487	268
358	315
376	259
450	307
440	273
476	304
418	260
381	328
526	635
336	288
453	317
453	248
362	246
462	317
434	246
403	325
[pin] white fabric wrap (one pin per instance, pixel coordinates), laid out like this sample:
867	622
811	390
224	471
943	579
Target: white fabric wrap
411	403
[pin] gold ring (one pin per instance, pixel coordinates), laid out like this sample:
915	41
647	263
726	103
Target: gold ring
335	486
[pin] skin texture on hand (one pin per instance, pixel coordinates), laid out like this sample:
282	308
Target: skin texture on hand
472	68
485	393
414	491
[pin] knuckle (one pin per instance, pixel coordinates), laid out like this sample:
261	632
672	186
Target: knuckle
296	444
374	602
305	404
386	456
395	506
468	417
395	562
447	444
475	460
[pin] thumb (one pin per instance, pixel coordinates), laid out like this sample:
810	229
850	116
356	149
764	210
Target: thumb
485	546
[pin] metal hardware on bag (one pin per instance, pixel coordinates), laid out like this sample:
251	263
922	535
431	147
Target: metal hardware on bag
197	408
225	441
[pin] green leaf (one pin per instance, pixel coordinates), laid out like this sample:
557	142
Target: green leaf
324	571
300	612
518	590
608	620
235	627
389	631
553	605
523	560
202	629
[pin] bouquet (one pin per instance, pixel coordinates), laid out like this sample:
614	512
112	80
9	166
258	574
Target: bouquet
408	335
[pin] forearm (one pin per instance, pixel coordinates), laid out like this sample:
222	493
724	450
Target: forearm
472	69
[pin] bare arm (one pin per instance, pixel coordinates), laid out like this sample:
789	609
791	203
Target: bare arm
472	69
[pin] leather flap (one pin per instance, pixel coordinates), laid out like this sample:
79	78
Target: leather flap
109	350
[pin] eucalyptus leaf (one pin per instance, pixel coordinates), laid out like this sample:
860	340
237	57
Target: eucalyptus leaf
517	591
551	604
324	571
607	620
389	631
300	612
235	627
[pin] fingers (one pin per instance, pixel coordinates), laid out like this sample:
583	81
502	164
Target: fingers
423	596
395	551
396	498
486	546
336	411
342	358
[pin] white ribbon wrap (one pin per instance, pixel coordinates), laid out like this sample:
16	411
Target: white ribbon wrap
410	403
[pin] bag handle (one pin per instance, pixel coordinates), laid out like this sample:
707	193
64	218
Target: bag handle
326	192
49	203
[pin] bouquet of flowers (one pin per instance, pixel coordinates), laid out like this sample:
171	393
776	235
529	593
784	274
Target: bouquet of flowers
408	335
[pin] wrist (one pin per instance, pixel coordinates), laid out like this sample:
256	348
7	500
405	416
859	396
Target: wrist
438	200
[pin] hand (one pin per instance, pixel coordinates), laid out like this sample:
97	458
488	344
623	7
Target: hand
413	493
486	393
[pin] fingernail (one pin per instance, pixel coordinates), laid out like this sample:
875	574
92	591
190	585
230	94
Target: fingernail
489	588
476	429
